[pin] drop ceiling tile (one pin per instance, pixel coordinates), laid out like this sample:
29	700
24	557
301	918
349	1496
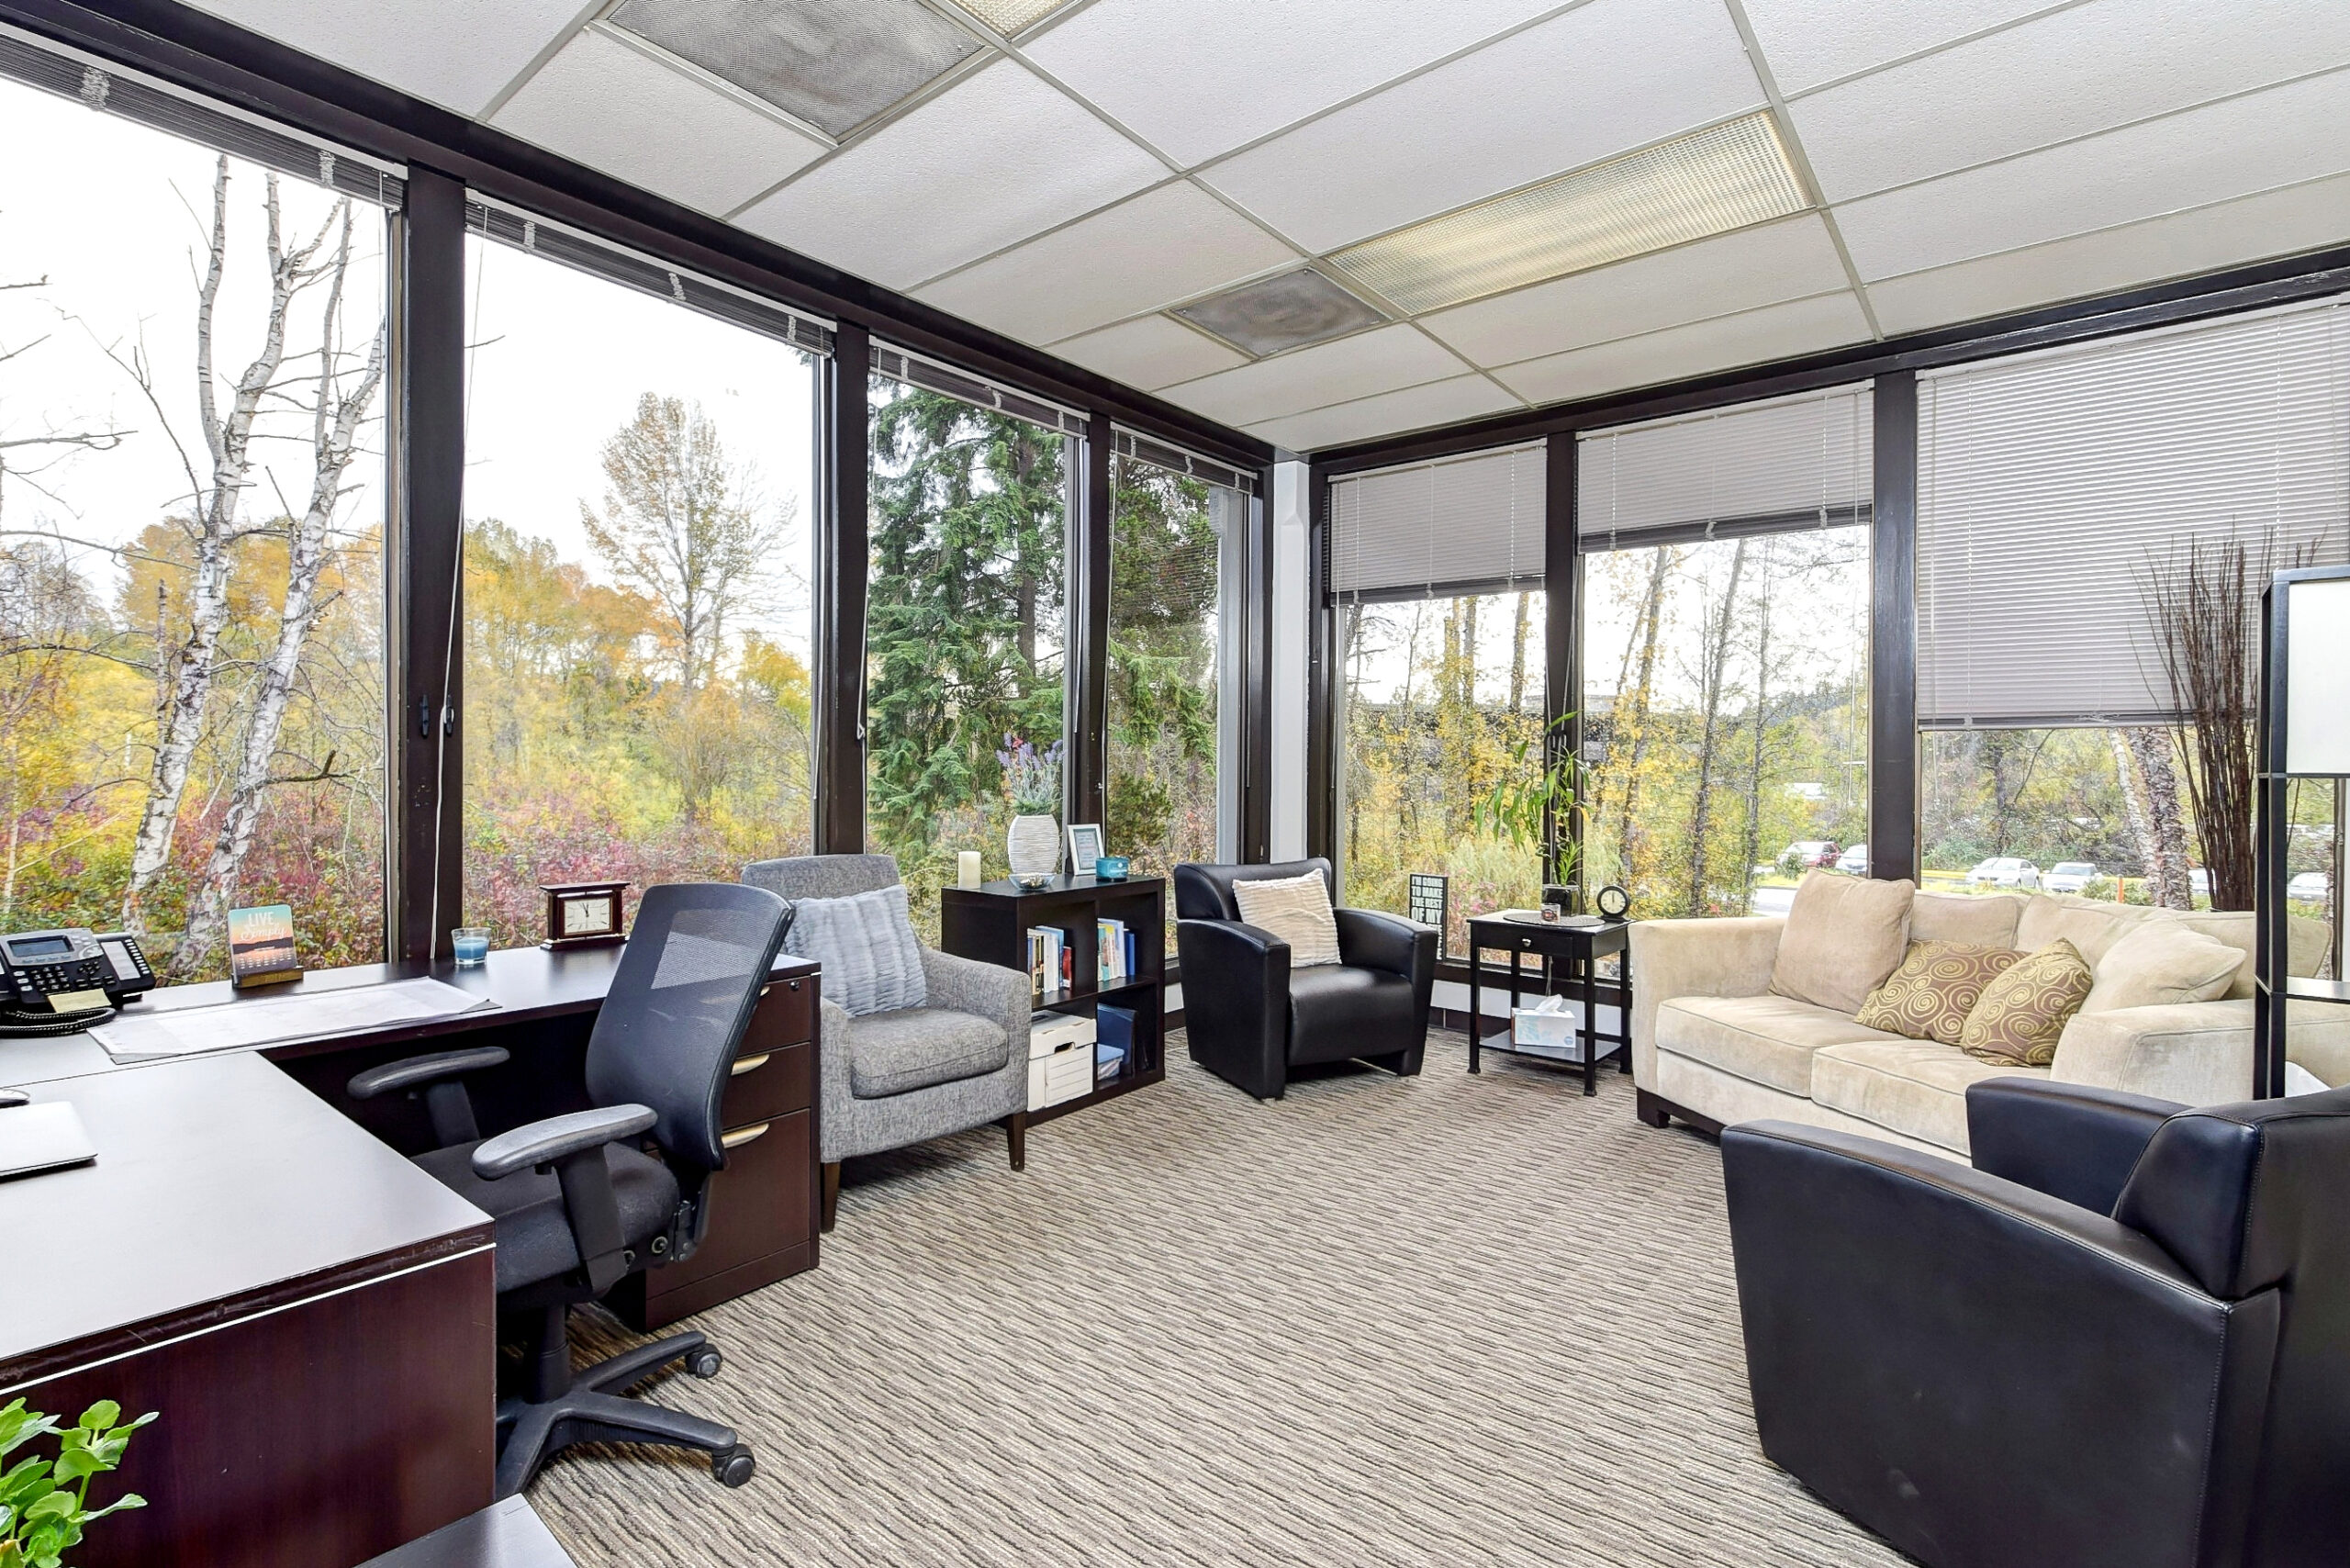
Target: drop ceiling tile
995	158
1157	248
1806	42
2222	151
458	52
1604	78
1379	360
2083	69
1150	354
2180	244
611	108
1222	72
1392	413
1712	277
1753	337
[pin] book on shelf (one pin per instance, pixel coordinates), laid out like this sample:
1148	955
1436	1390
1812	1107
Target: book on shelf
1047	962
1111	947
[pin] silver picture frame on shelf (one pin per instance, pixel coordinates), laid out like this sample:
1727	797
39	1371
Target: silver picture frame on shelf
1084	847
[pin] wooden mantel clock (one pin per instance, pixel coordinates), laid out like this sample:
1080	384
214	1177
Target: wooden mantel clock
583	914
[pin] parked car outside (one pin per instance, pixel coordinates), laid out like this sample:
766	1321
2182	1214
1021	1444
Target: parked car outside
1806	853
2004	871
2068	876
1854	861
2310	887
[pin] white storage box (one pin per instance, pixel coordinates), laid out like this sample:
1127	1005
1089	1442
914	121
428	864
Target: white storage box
1060	1059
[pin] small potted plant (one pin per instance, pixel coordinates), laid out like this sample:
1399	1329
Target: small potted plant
1032	779
1533	807
45	1503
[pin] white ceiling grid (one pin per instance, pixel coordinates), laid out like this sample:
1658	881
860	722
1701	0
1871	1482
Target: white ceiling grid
1071	183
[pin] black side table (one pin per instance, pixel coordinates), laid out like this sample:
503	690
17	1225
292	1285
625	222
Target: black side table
1581	946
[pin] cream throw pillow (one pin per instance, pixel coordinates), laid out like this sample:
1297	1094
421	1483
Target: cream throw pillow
1844	936
2159	963
1296	910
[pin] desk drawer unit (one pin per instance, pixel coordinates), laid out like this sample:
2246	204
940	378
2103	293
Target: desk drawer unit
764	1207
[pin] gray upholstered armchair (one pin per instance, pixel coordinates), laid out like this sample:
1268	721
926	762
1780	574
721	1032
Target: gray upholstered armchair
893	1079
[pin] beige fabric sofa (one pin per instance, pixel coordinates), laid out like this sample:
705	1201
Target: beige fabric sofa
1712	1046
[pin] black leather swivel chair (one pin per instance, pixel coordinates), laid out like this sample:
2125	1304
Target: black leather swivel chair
1250	1018
2122	1340
580	1202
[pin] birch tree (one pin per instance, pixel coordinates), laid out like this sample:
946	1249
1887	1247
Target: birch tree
218	521
2163	836
337	414
1714	671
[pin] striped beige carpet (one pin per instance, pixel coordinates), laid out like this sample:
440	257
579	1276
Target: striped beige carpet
1443	1320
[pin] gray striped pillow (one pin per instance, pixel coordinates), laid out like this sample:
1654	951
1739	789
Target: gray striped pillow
872	960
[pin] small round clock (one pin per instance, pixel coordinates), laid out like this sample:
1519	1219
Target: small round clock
1614	901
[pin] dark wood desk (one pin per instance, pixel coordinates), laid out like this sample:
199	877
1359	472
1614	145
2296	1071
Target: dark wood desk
310	1313
252	1256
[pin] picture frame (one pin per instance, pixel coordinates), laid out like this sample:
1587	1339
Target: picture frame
261	946
1084	847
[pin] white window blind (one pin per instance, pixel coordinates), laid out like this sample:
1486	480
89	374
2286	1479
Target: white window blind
1461	525
2049	484
1807	461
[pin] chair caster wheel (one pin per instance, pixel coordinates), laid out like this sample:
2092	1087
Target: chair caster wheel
705	1362
734	1467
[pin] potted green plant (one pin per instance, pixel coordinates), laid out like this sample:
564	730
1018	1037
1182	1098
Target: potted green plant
1534	805
45	1503
1032	779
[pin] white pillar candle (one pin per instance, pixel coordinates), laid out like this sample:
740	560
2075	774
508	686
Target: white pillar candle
967	868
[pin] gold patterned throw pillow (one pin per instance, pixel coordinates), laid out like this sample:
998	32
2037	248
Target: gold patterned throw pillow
2022	1012
1938	984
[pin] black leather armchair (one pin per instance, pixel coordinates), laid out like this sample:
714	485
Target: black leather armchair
1250	1019
2122	1340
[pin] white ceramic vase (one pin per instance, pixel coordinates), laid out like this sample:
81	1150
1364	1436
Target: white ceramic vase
1033	847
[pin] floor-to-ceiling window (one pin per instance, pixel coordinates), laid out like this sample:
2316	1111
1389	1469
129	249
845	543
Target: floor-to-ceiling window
640	499
966	626
1434	571
1725	645
192	364
2095	524
1176	549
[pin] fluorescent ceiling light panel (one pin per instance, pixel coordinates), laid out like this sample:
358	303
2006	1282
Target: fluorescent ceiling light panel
833	66
1708	182
1286	311
1009	17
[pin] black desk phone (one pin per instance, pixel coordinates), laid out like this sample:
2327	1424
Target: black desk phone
48	978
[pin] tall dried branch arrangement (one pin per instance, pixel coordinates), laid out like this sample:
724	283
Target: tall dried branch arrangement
2199	602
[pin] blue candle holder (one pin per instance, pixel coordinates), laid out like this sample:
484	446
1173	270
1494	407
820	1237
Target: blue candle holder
471	944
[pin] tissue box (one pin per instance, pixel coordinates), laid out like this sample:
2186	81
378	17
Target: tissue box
1547	1023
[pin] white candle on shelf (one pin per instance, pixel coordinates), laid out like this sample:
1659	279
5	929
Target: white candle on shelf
967	868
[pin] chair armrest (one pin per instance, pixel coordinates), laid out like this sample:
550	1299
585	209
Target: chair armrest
410	1071
2064	1139
445	1098
992	991
545	1142
1236	1001
1980	1372
1370	939
1695	958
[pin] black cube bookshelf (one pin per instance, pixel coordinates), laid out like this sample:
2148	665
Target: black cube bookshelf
991	924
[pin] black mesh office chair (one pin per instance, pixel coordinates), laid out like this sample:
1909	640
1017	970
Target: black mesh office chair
579	1204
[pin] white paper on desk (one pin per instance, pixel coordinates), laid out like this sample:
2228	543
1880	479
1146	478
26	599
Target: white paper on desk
281	1020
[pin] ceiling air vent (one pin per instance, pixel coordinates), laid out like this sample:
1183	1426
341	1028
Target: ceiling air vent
831	65
1288	311
1010	18
1706	182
